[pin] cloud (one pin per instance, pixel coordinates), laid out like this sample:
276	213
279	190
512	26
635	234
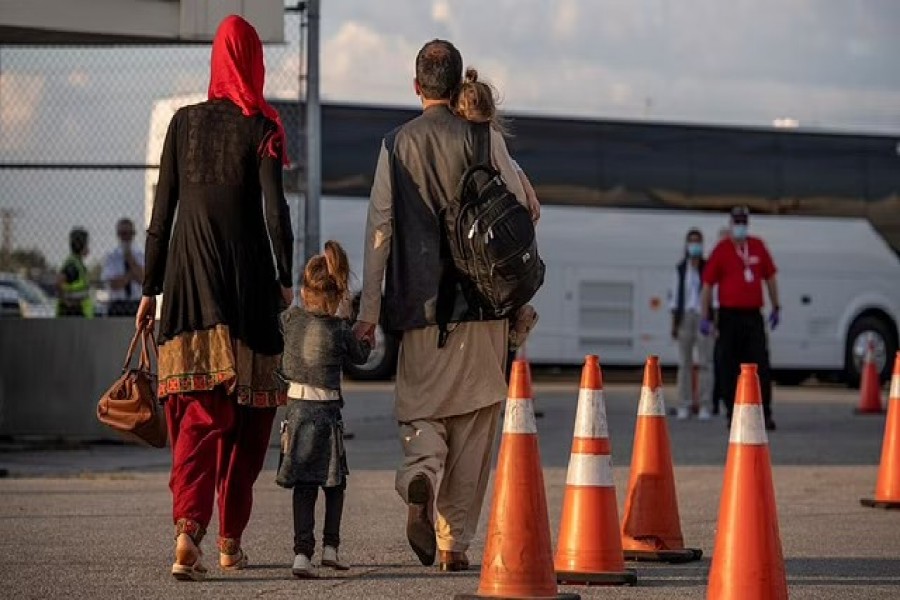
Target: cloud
361	65
440	12
22	98
745	61
566	21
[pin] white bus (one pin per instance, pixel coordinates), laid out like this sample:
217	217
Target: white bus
618	198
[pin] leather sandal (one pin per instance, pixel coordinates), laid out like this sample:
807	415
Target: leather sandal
453	561
233	562
187	565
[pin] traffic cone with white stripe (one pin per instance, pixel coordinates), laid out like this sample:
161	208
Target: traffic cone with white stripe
518	560
870	385
887	490
747	562
651	528
589	549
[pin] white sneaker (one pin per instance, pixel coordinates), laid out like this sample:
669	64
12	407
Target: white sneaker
704	415
683	414
330	558
303	568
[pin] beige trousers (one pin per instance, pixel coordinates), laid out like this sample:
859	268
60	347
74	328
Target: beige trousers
689	336
455	454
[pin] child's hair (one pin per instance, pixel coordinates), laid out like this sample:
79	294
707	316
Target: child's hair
477	101
326	279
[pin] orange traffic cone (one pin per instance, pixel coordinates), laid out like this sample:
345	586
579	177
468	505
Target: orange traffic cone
887	490
747	561
870	386
518	561
590	549
651	529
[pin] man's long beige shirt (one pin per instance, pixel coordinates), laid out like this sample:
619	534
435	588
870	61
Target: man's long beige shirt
468	373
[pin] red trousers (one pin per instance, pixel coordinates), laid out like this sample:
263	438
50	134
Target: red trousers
219	447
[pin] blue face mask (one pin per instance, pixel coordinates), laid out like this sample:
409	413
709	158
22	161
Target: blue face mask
739	231
695	249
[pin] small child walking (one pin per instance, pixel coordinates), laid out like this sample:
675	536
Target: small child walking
316	344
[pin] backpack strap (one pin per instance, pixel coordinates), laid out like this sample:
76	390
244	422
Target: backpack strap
446	297
448	287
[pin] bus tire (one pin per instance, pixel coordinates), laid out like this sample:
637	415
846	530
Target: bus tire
885	338
382	361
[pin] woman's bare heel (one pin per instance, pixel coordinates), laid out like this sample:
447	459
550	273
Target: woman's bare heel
187	565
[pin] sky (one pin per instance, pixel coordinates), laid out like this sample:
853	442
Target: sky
827	64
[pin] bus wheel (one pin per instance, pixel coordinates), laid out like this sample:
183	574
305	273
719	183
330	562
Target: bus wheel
382	361
880	332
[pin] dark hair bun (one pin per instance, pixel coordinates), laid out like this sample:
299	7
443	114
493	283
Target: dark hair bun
471	75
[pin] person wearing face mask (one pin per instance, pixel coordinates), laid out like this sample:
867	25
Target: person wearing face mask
123	272
738	266
684	304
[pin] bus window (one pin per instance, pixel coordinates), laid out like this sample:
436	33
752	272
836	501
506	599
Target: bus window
560	157
651	163
823	175
734	167
883	188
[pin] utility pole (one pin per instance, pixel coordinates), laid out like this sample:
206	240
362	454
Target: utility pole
313	132
6	232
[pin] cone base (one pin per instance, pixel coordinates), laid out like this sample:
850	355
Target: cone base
886	504
556	597
668	556
626	577
868	411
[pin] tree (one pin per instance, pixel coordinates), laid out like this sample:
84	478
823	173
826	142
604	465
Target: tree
27	261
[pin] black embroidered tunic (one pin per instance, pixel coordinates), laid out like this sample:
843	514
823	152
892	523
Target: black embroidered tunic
230	251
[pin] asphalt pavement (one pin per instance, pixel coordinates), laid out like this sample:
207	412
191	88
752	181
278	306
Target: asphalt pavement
94	521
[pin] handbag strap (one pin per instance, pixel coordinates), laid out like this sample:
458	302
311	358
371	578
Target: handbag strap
148	336
131	348
145	334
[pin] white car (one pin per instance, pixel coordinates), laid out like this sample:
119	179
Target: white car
32	301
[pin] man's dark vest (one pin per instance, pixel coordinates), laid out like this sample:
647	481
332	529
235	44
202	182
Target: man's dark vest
678	311
428	156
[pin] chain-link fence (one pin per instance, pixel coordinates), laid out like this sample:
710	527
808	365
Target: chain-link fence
82	130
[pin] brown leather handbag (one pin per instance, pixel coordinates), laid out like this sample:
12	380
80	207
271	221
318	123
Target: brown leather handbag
130	405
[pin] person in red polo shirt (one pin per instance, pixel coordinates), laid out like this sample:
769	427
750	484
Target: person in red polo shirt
738	266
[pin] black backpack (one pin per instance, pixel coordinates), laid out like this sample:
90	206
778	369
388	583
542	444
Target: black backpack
490	239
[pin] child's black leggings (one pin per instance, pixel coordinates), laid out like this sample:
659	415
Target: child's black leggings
305	517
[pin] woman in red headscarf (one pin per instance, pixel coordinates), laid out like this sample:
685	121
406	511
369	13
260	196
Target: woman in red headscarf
224	269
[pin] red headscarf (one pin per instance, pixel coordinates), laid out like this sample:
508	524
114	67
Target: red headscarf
238	74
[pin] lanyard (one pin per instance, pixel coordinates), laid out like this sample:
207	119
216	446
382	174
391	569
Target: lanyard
743	251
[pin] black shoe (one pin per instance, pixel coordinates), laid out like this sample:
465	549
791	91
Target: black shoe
770	424
419	520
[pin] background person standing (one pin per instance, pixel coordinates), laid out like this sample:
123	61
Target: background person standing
73	282
739	266
684	304
123	272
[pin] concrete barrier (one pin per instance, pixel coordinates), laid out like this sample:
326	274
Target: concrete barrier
53	372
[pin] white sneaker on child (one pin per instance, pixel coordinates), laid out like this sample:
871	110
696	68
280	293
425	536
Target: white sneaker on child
303	568
683	414
330	558
704	415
